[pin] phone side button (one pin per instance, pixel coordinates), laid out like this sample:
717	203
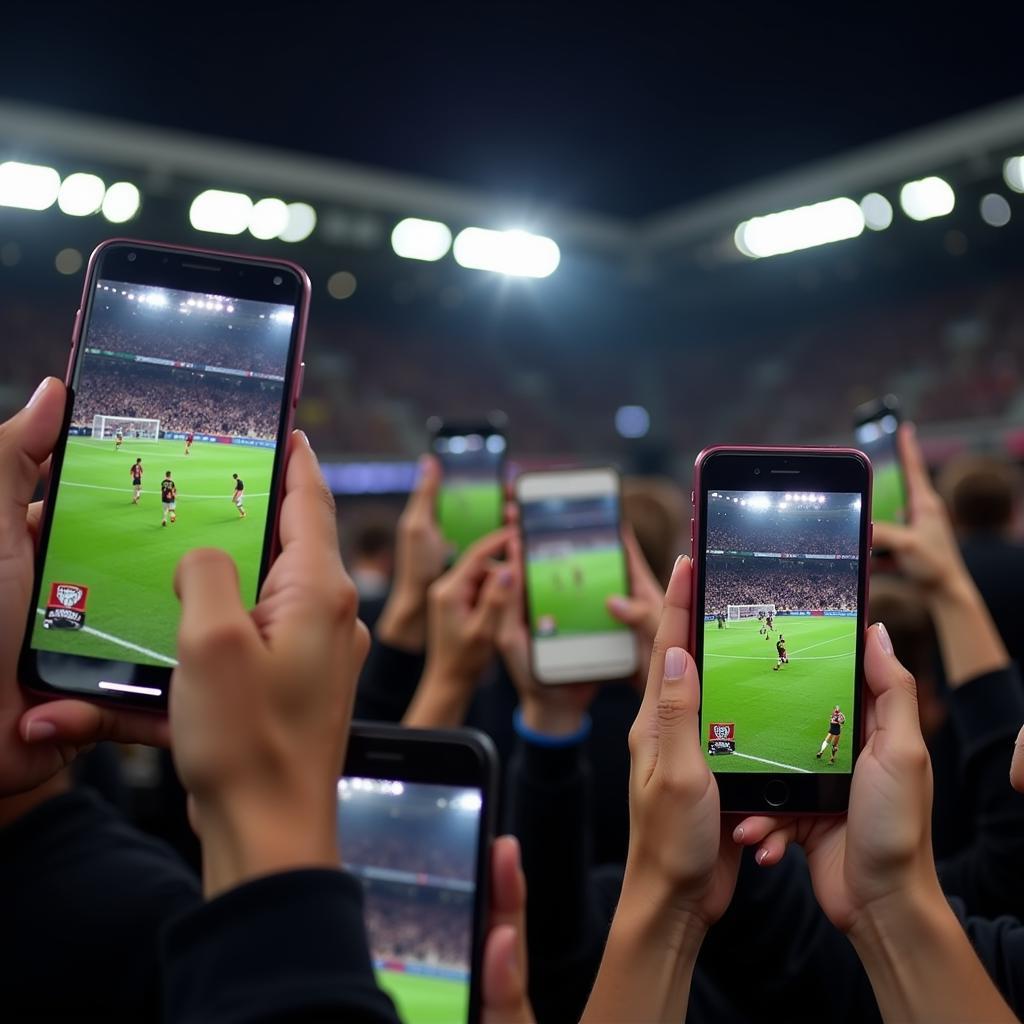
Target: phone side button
692	552
77	327
298	387
776	793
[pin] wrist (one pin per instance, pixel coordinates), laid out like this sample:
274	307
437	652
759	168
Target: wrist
650	912
548	719
884	926
441	700
403	621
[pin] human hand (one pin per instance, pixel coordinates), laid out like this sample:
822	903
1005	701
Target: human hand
880	853
261	701
420	556
39	738
1017	765
641	609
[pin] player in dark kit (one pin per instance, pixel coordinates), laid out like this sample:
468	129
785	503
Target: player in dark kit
188	441
780	646
137	480
168	495
835	725
118	439
239	495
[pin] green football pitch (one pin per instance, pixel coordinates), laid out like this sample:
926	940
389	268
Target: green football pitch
118	550
467	512
572	589
421	1000
780	717
887	500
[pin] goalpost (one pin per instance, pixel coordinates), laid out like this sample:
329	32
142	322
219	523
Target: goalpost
105	428
740	612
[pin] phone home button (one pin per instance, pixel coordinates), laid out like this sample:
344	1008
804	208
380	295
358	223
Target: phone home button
776	793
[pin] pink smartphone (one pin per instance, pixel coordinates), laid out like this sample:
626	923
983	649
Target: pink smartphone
781	546
185	369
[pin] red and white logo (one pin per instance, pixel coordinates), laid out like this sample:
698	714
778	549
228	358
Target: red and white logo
721	737
69	595
66	606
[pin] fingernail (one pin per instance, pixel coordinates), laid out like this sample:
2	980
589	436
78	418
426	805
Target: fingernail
884	639
679	558
1020	737
675	663
617	604
762	855
36	732
505	578
738	834
43	385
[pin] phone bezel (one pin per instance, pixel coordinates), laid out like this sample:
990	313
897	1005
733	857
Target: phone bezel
782	469
191	269
445	757
594	671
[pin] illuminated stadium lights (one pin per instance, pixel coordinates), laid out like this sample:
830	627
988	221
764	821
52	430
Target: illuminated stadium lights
877	211
515	253
416	239
995	210
28	186
632	421
301	222
802	228
222	213
283	316
927	198
268	218
81	195
855	503
1013	173
121	202
467	802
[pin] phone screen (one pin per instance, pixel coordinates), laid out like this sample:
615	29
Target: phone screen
877	439
177	405
472	498
781	586
414	847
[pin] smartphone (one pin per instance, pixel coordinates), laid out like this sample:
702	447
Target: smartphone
875	427
574	560
781	550
416	814
471	503
185	369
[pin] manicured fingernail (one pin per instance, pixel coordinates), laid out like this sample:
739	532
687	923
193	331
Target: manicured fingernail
36	732
762	855
738	833
678	560
617	604
37	394
675	663
884	640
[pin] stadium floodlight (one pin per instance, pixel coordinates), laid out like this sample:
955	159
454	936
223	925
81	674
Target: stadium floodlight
783	506
1013	173
514	253
877	211
760	502
632	421
856	503
81	195
416	239
121	202
495	444
222	213
268	218
927	198
468	801
28	186
995	210
803	228
301	222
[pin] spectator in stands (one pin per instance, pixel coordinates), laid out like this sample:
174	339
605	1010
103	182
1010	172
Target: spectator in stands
789	585
373	561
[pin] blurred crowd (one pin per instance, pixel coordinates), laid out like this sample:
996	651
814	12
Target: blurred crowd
413	929
783	532
789	585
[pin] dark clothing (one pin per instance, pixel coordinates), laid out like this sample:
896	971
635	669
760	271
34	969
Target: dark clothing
833	728
167	490
239	486
997	567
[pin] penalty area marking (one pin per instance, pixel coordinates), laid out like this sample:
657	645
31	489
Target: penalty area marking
778	764
181	494
122	643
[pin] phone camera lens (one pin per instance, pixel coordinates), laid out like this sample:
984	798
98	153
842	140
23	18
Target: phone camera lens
278	279
131	257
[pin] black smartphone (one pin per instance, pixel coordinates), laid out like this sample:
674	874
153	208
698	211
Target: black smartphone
875	426
782	539
471	503
416	814
185	369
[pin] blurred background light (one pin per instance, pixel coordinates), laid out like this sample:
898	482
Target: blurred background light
790	230
877	211
68	261
81	195
417	239
995	210
632	421
341	285
28	186
121	202
1013	173
268	218
516	253
301	222
223	213
927	198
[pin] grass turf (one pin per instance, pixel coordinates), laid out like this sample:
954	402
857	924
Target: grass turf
887	498
122	554
467	511
422	1000
779	716
576	607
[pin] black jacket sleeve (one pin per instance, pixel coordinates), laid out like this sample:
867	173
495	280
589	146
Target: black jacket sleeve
987	714
387	684
999	943
287	948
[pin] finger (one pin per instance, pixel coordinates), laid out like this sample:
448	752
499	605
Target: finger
76	723
33	518
770	835
423	499
630	611
308	515
674	624
495	596
504	988
892	686
1017	764
511	513
919	484
678	715
206	582
891	537
508	888
477	558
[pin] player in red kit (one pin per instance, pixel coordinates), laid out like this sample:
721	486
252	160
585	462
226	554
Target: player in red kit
188	441
137	480
835	726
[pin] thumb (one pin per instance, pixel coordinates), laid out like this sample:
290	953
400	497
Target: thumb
628	610
892	686
206	582
504	989
1017	765
678	710
424	496
77	723
495	597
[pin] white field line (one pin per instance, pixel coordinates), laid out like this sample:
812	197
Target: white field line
181	494
123	643
774	657
778	764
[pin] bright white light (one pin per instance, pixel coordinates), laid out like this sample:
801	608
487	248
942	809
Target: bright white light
457	445
789	497
495	444
877	211
397	788
783	506
517	253
1013	173
28	186
268	218
995	210
803	228
417	239
301	221
224	213
231	309
191	302
157	299
632	421
743	502
927	198
81	195
121	202
760	501
468	801
856	503
821	499
283	316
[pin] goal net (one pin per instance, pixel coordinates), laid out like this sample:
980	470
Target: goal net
741	612
105	428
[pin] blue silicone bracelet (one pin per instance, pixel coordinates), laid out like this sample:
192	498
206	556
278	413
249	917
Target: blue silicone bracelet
542	739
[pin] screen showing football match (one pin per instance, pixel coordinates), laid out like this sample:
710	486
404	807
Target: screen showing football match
171	447
472	496
574	563
877	439
780	630
414	848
